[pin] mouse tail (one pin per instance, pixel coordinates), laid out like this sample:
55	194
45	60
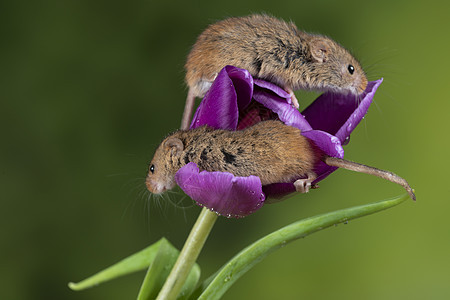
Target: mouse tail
188	108
352	166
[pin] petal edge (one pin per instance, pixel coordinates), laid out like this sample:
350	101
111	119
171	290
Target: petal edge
221	192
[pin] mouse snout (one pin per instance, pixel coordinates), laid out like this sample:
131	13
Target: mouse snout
154	186
361	84
358	83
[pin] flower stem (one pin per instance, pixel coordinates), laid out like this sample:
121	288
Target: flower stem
188	255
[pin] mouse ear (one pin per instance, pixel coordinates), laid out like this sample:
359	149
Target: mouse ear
176	146
320	49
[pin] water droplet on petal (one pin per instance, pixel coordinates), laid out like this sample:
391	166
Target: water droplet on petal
346	141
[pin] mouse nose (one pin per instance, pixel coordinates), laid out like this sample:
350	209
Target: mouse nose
149	185
359	84
155	187
152	186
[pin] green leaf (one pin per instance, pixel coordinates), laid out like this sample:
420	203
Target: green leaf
154	256
220	282
136	262
159	270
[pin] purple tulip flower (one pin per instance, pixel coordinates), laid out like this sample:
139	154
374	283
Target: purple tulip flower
236	101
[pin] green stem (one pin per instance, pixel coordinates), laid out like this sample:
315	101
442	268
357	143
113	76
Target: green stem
188	255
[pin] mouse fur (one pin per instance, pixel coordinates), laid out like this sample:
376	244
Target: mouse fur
270	150
273	50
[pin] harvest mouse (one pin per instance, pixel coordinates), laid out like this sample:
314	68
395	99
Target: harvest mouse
273	50
271	150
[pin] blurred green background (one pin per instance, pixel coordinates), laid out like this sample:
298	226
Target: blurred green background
89	88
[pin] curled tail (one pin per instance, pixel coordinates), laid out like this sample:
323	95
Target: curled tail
352	166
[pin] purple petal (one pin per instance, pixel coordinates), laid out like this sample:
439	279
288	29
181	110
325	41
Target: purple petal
330	145
274	88
277	191
221	192
326	142
230	92
358	114
218	108
243	84
279	105
340	114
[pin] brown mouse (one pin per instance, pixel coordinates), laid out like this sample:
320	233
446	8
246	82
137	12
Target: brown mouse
270	150
273	50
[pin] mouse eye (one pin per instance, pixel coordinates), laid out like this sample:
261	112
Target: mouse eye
351	69
152	169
